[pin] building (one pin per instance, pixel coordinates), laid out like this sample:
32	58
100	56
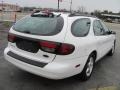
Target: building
9	7
111	18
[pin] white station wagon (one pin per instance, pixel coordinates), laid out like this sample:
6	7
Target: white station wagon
59	45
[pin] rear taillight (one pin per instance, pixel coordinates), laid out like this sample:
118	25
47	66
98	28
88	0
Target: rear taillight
11	37
56	48
48	46
65	49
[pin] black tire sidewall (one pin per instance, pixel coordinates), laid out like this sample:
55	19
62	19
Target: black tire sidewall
83	75
111	53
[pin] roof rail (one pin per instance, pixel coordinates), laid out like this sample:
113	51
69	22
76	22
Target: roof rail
79	14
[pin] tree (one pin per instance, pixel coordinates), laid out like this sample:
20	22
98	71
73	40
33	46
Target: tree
97	13
105	12
81	9
110	12
119	13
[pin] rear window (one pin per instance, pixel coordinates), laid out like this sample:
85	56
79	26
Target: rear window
40	25
80	27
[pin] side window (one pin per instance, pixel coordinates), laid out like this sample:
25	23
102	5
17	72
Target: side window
80	27
104	27
98	29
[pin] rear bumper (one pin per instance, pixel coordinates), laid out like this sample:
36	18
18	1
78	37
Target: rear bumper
54	70
26	60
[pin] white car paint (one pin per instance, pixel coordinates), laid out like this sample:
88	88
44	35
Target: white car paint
62	66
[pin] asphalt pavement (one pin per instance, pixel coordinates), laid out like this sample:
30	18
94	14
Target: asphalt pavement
106	73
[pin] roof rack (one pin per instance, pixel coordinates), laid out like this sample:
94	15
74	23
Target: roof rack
78	14
42	14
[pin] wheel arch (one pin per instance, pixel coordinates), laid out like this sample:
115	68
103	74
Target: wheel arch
95	53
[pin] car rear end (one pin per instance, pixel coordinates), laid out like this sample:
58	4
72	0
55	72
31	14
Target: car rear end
36	40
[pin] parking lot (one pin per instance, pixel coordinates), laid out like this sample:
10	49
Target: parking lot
106	73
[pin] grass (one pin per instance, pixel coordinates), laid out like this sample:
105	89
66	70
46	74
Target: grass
7	24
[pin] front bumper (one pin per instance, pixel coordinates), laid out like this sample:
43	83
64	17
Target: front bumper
54	70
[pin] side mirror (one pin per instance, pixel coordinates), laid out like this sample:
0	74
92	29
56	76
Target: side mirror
111	32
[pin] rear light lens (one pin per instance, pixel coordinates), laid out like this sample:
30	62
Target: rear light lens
56	48
48	46
65	49
11	38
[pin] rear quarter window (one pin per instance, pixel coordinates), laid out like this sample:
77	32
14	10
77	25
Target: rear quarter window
80	27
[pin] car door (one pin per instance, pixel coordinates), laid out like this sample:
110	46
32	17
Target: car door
102	39
111	37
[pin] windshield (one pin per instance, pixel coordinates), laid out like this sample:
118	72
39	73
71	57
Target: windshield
40	25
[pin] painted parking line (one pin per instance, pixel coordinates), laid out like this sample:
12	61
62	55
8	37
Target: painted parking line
107	88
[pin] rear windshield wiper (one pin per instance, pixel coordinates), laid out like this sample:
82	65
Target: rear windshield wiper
28	32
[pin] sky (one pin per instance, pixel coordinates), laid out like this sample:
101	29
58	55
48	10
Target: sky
90	5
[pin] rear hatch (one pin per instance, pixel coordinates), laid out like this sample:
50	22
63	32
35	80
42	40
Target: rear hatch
30	36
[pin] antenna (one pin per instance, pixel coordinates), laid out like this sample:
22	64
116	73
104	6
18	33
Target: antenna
2	5
58	5
71	6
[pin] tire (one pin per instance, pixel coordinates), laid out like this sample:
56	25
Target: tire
88	69
112	51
